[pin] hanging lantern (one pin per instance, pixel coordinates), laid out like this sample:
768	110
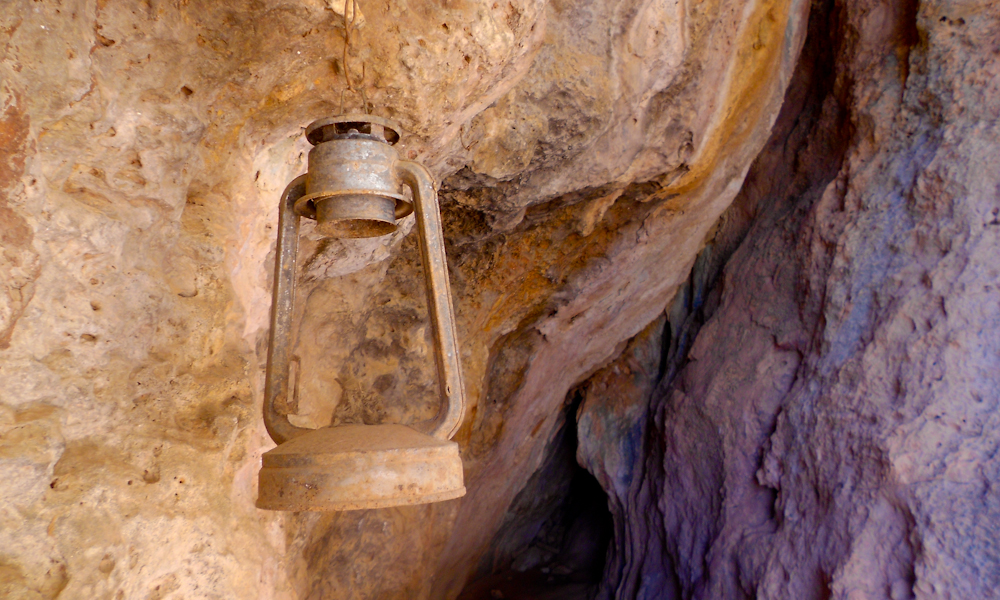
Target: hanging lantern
353	188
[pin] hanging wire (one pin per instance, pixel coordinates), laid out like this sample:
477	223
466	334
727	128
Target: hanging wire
350	30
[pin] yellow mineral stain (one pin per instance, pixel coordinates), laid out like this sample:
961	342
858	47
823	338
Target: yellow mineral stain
750	78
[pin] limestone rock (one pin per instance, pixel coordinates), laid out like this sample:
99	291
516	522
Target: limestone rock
832	430
585	150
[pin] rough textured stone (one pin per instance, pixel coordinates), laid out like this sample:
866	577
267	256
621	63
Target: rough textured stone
831	432
797	400
19	266
586	149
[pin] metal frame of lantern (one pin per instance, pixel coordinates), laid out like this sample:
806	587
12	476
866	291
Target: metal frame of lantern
353	189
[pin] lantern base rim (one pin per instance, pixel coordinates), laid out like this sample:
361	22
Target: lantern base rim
353	467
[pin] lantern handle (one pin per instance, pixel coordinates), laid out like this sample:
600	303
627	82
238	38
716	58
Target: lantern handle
452	411
432	255
283	300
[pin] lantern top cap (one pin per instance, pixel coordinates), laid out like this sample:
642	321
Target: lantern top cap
353	126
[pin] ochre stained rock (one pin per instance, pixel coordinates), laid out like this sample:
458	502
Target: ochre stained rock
19	264
585	151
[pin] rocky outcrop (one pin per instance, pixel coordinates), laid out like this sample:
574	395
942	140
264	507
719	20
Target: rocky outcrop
586	149
831	430
785	381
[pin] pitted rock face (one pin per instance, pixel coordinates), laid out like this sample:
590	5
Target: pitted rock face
585	151
819	428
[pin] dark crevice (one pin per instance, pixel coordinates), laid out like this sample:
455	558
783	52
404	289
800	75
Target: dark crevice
556	534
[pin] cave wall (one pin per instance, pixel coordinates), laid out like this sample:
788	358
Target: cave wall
585	150
822	419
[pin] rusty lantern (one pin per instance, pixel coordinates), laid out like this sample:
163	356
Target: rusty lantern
353	188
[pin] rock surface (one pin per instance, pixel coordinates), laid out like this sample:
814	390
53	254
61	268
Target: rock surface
586	150
831	432
796	400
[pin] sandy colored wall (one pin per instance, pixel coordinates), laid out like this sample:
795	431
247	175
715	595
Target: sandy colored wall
585	150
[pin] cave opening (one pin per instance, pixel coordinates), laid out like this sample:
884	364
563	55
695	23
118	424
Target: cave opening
556	535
